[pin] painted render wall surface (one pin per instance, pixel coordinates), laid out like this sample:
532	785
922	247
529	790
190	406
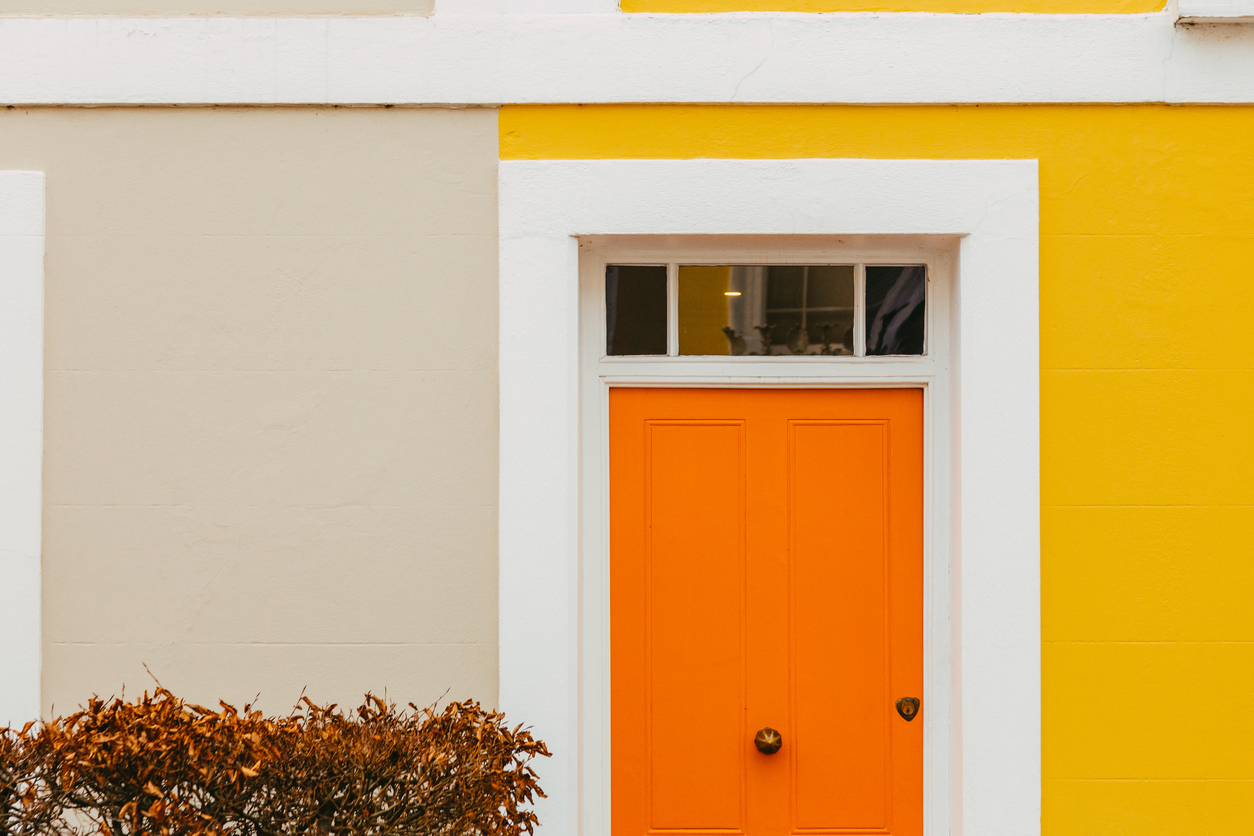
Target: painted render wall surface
271	401
1146	300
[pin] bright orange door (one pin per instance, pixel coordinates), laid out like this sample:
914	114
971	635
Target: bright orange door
766	570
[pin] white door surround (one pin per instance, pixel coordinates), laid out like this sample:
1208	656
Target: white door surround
983	755
21	441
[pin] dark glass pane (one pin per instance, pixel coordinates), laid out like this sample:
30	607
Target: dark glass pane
784	287
829	287
635	310
895	308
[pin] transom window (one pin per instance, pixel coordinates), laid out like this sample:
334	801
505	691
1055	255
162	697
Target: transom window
765	310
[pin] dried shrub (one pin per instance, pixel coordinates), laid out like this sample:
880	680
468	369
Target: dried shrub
22	812
383	772
156	765
162	766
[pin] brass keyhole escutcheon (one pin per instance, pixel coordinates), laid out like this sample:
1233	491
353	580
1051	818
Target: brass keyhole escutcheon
768	741
908	708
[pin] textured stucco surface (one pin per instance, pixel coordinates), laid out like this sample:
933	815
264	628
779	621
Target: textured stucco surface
271	409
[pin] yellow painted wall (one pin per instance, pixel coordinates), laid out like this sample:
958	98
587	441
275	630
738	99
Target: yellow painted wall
950	6
1147	418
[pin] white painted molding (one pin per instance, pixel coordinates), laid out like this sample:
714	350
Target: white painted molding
492	59
1217	11
21	440
994	206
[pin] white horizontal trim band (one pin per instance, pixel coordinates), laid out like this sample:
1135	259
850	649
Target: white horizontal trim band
744	58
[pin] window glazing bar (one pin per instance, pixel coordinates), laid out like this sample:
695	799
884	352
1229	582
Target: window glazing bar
672	310
859	310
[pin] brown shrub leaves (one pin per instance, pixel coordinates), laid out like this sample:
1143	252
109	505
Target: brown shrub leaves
159	766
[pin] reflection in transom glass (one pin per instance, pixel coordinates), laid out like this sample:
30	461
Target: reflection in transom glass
896	307
766	310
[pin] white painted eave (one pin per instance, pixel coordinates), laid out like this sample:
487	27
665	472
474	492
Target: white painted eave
489	59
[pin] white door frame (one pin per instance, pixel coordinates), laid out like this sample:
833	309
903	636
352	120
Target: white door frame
549	672
600	374
21	442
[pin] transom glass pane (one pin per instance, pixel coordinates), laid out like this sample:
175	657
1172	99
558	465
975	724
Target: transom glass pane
766	310
896	304
635	310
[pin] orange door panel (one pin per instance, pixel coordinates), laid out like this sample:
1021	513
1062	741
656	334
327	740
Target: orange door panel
766	569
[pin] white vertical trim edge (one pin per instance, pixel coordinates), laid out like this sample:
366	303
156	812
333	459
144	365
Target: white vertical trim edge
544	205
21	440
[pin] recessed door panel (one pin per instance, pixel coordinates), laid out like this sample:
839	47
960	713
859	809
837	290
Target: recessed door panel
840	642
695	623
765	571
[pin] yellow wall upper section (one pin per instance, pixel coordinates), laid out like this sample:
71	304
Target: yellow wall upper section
954	6
1147	417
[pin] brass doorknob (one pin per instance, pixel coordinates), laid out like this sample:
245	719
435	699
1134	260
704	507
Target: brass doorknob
768	741
908	708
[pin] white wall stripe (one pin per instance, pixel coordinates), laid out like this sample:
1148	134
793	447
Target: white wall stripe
746	57
21	440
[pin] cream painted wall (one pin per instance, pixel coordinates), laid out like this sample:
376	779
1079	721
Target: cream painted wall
172	8
271	401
